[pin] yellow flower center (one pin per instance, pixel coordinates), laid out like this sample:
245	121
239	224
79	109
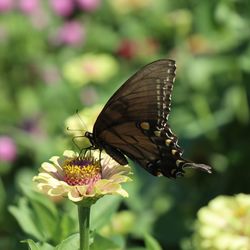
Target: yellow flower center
81	171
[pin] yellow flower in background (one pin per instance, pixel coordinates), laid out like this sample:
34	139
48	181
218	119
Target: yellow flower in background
98	68
76	125
126	6
224	224
83	121
82	178
121	223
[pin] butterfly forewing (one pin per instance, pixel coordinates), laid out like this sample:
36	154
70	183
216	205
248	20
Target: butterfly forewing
145	96
134	122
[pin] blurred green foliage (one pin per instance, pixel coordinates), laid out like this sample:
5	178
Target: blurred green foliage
56	59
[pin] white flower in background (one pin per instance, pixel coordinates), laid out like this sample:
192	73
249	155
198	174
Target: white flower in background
224	224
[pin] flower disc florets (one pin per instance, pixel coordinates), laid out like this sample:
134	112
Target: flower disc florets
81	171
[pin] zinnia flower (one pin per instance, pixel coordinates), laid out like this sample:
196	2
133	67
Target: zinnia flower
89	5
72	33
224	224
7	149
87	115
81	178
62	7
98	68
28	6
126	6
6	5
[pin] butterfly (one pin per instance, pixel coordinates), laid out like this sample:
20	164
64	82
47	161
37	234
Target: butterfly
134	123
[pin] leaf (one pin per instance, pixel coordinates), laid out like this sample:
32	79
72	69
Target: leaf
32	244
28	190
72	243
103	210
46	246
46	221
101	243
67	226
38	246
39	221
2	200
25	218
137	248
151	243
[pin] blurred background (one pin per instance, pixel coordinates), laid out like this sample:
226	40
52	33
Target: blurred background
57	56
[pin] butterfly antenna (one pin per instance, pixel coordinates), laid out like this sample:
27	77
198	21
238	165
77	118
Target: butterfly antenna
81	120
74	130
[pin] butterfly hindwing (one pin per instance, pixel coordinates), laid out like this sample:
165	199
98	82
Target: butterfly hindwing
155	150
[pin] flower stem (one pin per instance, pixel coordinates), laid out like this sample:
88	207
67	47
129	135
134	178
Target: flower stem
83	215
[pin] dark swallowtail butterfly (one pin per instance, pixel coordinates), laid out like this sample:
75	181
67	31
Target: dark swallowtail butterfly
133	123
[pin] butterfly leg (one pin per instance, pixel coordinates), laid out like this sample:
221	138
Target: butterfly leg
88	149
100	155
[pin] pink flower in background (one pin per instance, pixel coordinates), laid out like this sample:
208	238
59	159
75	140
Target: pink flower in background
62	7
89	5
28	6
39	18
6	5
7	149
72	33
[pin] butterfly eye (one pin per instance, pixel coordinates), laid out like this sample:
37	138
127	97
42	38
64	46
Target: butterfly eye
88	135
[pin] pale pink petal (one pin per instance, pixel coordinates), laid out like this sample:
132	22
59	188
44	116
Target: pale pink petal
120	178
74	195
69	154
122	192
82	189
44	187
48	167
59	191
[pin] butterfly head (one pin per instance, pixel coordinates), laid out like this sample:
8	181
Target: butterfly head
90	137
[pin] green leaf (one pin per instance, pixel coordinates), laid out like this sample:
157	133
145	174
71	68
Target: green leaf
137	248
25	218
46	221
32	244
46	246
23	182
101	243
39	221
72	242
103	210
67	226
2	200
38	246
151	243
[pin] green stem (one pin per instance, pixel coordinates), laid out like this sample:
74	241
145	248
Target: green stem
84	214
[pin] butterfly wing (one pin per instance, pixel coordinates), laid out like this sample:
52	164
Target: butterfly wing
134	122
